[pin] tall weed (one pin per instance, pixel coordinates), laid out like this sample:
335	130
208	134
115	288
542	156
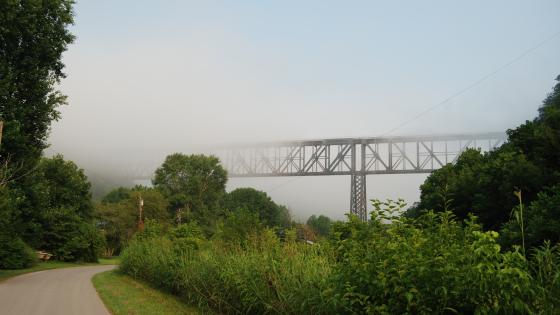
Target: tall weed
389	265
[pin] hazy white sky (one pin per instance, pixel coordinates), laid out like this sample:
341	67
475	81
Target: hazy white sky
147	78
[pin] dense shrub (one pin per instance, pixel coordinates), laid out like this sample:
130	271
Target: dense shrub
14	253
432	268
541	221
255	201
86	245
265	276
117	214
483	184
238	225
69	237
389	265
322	225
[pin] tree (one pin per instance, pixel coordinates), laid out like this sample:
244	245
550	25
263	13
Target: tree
54	210
322	225
257	202
541	221
483	184
284	217
69	237
539	139
33	36
54	183
67	184
116	195
14	253
239	225
118	220
193	183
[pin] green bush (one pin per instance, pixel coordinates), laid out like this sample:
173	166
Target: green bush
86	245
15	254
389	265
264	276
69	237
238	225
435	265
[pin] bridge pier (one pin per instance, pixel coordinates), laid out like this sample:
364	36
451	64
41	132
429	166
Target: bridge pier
358	200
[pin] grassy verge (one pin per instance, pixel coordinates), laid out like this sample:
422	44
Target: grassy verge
124	295
109	261
9	273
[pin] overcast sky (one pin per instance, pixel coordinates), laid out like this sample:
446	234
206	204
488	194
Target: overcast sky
147	78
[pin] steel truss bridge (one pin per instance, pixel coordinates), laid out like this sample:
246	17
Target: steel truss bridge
357	157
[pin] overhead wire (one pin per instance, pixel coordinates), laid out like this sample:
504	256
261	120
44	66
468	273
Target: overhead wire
473	85
451	97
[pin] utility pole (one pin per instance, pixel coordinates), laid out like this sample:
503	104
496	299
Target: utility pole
140	214
179	216
1	127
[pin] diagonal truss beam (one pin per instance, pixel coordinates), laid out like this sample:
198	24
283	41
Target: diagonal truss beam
390	155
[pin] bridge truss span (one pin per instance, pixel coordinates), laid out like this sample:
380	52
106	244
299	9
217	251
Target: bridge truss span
356	157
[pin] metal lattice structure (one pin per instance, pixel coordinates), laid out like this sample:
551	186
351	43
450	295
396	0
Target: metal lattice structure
356	157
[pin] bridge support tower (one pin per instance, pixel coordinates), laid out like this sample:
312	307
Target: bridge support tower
358	200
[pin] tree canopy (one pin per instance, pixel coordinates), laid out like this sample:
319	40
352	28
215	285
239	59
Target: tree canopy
484	184
193	183
33	36
322	225
117	215
257	202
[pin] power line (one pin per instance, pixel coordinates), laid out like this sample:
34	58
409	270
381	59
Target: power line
469	87
284	183
472	85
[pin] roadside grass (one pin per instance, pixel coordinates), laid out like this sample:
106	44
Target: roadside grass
47	265
109	261
125	295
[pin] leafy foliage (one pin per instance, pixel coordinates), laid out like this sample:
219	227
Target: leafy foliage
321	225
539	139
69	237
66	185
431	265
33	36
14	253
264	277
193	183
542	221
483	184
46	202
260	203
238	225
54	211
390	265
116	195
117	214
